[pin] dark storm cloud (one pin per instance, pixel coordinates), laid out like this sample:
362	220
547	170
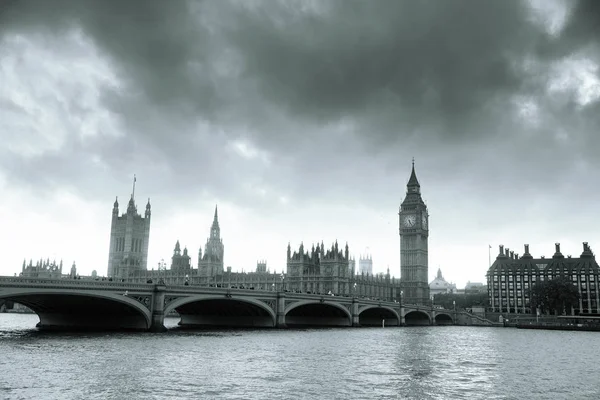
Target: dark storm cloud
286	76
428	59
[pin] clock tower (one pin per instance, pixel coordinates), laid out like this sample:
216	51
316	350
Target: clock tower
414	233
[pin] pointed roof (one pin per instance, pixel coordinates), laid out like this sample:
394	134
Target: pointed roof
216	219
413	181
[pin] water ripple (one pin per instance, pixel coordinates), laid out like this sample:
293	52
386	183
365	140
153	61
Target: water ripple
370	363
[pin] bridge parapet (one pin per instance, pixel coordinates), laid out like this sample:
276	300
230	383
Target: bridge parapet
77	283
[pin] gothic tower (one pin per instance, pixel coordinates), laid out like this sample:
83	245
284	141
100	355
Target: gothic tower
414	233
211	263
129	238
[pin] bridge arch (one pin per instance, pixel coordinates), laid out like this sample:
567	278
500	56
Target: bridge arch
211	310
373	315
317	313
69	309
417	317
443	319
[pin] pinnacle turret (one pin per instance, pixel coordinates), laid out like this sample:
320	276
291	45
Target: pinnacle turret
413	181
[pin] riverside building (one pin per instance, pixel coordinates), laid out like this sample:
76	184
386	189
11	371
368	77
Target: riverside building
510	278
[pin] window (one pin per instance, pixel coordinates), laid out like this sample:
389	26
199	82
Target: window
510	278
503	278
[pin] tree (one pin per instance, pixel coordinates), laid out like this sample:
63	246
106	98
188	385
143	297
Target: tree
556	296
447	300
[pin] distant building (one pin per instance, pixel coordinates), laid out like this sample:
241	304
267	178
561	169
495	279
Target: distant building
510	278
42	269
327	271
129	238
365	264
210	263
47	269
261	267
440	285
318	270
180	263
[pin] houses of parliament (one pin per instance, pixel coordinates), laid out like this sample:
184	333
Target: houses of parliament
319	269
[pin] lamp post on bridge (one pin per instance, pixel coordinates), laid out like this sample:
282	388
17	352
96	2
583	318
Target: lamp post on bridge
282	282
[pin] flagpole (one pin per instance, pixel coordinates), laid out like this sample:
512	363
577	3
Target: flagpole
489	255
133	191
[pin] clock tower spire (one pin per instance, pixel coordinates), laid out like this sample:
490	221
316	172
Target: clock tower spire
414	235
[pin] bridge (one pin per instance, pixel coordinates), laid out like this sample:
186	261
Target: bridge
95	304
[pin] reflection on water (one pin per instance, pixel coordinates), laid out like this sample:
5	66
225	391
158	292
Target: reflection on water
368	363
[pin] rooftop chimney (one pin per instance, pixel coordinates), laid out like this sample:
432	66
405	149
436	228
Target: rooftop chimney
558	254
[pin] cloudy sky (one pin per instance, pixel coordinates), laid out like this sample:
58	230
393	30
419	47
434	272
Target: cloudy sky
299	119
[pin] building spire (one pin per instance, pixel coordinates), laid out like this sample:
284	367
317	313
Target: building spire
133	190
413	185
216	219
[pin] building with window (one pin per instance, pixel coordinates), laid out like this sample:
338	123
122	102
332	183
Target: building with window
365	264
440	285
510	278
129	238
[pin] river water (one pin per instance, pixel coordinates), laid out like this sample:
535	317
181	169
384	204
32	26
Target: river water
362	363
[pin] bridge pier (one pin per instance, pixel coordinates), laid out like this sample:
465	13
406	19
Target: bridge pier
355	313
158	309
280	323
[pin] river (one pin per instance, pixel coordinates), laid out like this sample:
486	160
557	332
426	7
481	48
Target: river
449	362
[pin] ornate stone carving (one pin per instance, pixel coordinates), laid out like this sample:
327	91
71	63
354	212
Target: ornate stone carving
145	300
271	303
169	299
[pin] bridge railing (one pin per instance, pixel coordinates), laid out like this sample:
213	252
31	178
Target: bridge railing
16	281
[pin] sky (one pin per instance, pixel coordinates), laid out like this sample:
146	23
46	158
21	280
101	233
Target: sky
300	120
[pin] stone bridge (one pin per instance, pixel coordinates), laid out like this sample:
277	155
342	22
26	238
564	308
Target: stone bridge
90	304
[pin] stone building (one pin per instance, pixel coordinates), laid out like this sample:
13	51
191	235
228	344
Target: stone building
328	272
365	264
181	263
261	267
319	270
42	269
210	263
129	239
440	285
510	278
414	234
47	269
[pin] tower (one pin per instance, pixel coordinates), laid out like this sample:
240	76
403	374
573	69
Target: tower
211	263
129	239
414	234
365	264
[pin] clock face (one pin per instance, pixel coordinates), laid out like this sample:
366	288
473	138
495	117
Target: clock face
424	221
410	221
